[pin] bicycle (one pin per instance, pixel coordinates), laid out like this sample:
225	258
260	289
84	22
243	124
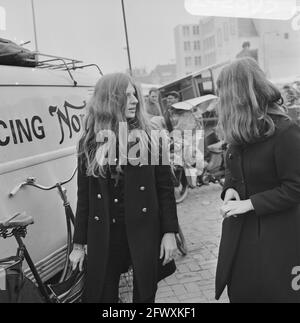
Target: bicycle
70	218
16	226
20	288
70	285
126	284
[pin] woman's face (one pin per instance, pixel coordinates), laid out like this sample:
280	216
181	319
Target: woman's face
132	102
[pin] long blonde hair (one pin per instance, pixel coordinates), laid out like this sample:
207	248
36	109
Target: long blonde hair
247	102
105	111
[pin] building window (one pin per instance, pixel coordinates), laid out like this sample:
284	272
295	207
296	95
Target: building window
187	46
198	60
196	30
186	30
286	36
197	45
226	31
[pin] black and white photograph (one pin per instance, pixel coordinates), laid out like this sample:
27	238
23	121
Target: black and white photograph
149	154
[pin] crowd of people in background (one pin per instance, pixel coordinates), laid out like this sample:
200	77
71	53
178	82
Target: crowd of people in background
291	94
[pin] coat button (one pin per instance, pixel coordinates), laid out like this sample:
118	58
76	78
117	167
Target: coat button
99	196
144	210
97	218
114	221
142	188
116	200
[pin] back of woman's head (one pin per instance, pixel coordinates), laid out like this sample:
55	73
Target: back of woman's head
247	101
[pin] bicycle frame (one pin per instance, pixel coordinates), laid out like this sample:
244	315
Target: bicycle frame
22	253
70	218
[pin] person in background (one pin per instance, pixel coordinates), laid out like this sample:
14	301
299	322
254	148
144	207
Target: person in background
152	103
247	52
296	86
260	245
126	214
172	98
290	96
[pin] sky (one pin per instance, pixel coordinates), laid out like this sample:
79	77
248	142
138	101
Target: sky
93	30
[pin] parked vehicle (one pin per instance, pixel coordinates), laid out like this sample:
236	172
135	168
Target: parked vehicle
194	85
41	112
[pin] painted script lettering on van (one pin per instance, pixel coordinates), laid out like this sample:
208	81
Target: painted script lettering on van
33	128
66	122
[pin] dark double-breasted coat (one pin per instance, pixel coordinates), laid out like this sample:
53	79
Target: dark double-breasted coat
259	250
150	211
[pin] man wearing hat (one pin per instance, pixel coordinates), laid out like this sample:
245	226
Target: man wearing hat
172	98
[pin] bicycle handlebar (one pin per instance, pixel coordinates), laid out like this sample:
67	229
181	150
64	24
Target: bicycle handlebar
30	181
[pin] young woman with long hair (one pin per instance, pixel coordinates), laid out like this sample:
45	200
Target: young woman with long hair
260	244
126	214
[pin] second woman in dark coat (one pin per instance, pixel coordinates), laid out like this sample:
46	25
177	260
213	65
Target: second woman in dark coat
260	245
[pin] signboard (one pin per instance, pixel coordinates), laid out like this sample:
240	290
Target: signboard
256	9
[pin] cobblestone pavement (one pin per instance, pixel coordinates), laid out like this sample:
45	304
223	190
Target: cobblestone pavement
194	280
201	223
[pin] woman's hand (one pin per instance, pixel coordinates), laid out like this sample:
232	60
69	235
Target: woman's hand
230	195
168	247
234	208
77	257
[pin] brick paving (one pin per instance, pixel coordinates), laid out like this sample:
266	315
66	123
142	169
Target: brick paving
194	280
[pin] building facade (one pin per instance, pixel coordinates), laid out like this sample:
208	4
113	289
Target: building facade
214	40
188	48
279	53
217	40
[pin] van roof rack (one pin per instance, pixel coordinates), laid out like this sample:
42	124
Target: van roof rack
62	63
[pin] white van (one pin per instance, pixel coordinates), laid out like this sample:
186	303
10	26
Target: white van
41	112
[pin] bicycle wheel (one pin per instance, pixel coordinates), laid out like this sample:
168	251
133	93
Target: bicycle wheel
181	185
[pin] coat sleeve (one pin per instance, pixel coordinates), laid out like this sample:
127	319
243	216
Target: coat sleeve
228	178
166	198
287	159
82	211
